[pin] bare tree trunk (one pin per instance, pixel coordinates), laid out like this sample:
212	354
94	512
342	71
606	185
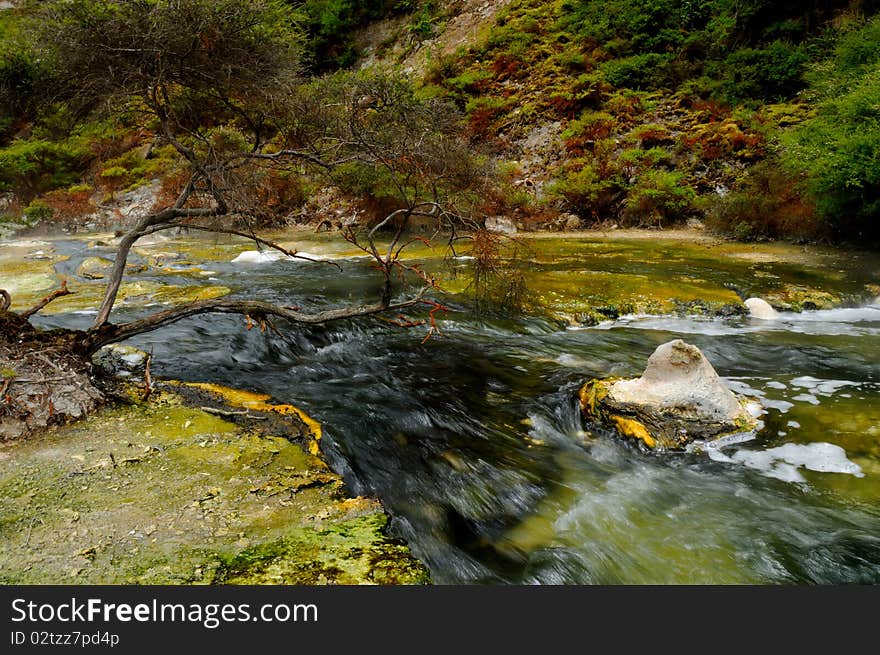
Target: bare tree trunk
115	279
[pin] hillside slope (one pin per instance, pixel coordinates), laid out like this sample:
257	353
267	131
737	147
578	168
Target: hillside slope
758	118
647	112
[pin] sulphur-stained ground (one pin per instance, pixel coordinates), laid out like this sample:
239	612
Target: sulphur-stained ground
165	492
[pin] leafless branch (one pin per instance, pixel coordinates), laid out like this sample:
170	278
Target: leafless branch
63	291
110	333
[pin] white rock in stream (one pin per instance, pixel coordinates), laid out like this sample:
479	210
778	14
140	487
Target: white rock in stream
761	309
679	378
257	257
677	399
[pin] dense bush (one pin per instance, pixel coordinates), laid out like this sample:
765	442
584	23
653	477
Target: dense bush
330	24
659	198
751	47
29	167
767	203
643	71
839	149
772	73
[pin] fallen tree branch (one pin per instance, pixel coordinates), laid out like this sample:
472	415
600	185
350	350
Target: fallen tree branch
33	381
109	333
63	291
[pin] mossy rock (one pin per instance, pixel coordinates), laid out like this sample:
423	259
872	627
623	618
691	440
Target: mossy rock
160	492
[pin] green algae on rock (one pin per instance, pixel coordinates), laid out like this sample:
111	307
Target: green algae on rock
163	493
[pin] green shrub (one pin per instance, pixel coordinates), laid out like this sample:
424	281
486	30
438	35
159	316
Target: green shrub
358	178
772	73
20	78
659	197
767	202
37	212
585	191
838	150
330	25
642	71
29	167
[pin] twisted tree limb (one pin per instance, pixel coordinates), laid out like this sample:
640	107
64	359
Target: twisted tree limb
108	333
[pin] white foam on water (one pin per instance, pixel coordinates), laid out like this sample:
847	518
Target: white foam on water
784	462
821	387
824	322
570	361
310	256
782	405
868	314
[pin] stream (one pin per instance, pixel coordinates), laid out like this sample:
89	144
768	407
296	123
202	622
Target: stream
473	440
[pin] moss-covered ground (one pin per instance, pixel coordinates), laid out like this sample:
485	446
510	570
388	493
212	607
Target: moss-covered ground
166	493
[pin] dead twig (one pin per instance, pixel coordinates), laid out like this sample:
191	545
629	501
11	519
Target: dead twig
63	291
230	414
148	380
27	539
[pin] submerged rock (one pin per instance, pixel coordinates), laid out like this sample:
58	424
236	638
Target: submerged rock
119	360
677	399
759	308
95	268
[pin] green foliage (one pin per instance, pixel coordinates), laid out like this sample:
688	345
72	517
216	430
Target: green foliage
363	179
839	149
38	212
751	47
772	73
233	49
29	167
422	26
766	203
20	79
585	190
23	78
659	197
642	71
330	25
858	48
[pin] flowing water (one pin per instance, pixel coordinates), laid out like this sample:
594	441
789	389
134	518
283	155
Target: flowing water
474	443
